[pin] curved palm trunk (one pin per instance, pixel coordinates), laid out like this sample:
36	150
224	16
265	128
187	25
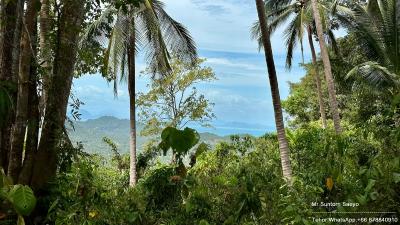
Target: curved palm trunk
317	78
132	107
19	126
327	68
280	127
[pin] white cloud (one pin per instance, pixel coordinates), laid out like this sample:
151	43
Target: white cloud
229	63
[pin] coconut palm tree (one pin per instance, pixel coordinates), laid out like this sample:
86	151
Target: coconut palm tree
377	28
146	26
301	23
283	143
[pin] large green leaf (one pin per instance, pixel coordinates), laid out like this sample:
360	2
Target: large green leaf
23	199
180	141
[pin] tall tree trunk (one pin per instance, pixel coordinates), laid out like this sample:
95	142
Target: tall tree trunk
70	24
327	68
45	50
317	78
19	126
32	133
132	107
280	127
17	39
8	20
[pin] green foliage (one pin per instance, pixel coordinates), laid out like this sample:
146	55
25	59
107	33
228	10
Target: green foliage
116	156
21	197
157	32
375	26
162	188
302	104
238	182
173	100
180	141
146	158
93	193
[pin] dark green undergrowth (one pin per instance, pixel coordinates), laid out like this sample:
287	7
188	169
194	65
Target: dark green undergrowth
236	183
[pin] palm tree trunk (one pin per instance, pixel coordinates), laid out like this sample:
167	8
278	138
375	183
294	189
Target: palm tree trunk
280	127
70	24
328	69
317	78
132	106
19	126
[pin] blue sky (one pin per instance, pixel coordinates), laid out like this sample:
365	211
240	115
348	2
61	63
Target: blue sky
221	29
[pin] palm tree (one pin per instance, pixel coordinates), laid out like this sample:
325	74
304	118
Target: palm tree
283	143
301	22
327	67
377	28
150	27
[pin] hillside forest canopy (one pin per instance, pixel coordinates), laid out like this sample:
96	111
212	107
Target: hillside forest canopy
332	158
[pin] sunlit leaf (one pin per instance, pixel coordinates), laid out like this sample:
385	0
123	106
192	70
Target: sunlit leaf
23	199
329	183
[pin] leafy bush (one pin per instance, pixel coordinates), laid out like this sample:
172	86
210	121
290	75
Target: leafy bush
20	197
237	182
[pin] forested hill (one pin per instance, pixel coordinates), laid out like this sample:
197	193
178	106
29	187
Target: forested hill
91	132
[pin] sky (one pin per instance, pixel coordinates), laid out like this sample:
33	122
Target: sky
221	30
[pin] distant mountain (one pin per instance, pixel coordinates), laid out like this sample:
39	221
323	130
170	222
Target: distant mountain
91	132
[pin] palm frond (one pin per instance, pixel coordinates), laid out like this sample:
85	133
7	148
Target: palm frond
331	40
374	75
291	35
275	19
157	54
256	34
275	4
118	48
95	28
175	35
367	33
280	16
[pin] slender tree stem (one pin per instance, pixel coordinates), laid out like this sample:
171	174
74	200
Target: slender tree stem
132	104
317	78
327	68
280	127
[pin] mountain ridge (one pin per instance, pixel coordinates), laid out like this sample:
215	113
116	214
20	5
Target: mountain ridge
90	133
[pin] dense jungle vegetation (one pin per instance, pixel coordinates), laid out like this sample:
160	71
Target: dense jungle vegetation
340	142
